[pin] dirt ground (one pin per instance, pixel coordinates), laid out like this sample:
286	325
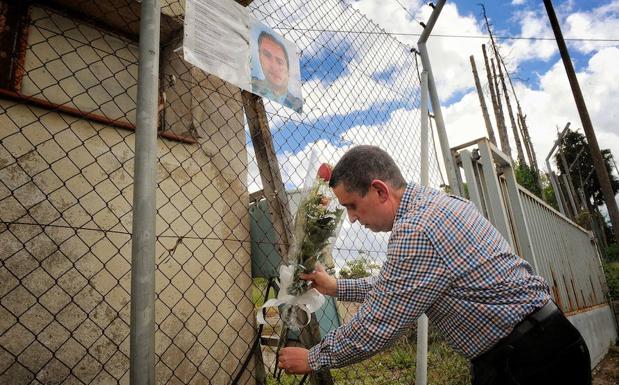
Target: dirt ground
607	372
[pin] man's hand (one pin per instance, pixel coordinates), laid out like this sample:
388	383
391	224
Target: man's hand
322	281
294	360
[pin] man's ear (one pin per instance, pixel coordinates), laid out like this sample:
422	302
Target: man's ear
382	189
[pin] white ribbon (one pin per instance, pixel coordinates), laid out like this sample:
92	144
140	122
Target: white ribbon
309	302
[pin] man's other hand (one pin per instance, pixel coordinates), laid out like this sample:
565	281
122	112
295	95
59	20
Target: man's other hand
322	281
294	360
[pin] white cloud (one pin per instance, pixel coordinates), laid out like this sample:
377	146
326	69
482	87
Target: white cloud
533	24
551	106
449	60
599	23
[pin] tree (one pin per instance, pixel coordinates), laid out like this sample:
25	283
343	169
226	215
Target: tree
576	151
548	193
528	178
358	268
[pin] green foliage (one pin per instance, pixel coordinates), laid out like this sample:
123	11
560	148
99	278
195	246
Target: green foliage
466	193
528	178
285	379
576	150
402	357
612	253
397	367
612	278
315	224
358	268
548	193
258	291
583	219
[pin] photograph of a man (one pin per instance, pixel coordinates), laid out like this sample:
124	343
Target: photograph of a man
275	73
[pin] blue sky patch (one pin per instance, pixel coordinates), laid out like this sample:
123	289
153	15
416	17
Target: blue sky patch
329	63
385	76
293	136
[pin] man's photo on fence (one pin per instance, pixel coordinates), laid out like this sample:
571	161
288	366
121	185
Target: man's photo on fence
274	63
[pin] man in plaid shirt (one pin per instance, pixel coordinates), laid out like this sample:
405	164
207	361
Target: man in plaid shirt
446	260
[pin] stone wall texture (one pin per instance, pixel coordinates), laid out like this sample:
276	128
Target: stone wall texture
66	196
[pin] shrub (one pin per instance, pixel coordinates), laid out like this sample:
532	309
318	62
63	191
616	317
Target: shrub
612	252
528	178
612	278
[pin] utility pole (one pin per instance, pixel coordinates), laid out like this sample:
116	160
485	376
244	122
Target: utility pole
510	112
524	130
612	157
528	145
482	102
526	138
572	195
596	155
507	102
505	147
495	106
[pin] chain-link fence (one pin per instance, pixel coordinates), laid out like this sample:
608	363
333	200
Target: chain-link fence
68	84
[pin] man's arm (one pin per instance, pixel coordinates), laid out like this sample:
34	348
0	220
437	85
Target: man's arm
351	290
413	277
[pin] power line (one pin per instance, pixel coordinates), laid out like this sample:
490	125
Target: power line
584	39
407	11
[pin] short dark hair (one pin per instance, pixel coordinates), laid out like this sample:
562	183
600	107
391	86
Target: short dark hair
361	165
265	35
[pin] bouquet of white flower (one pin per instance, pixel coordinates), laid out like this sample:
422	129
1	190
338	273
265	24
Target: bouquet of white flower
315	225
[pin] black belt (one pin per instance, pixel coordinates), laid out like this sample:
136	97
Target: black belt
506	345
538	316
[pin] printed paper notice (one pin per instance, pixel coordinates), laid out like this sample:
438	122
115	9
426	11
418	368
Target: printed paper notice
217	39
222	39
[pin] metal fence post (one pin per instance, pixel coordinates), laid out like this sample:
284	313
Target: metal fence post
495	197
142	340
436	103
471	179
421	374
553	181
519	217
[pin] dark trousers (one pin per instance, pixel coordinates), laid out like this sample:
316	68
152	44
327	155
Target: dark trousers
546	350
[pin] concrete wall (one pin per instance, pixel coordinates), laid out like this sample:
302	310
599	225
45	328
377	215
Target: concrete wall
66	213
72	64
598	328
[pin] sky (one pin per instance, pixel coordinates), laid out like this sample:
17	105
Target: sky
537	71
532	58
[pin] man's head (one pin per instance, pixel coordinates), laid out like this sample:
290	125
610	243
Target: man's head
274	62
369	184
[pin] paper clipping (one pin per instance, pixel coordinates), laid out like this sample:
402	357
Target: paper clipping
222	39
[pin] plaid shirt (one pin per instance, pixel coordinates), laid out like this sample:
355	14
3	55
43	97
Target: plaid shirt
443	259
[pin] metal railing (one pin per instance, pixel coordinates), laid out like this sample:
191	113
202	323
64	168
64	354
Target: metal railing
559	250
566	256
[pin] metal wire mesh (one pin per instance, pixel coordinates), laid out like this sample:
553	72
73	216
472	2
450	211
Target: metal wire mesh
68	84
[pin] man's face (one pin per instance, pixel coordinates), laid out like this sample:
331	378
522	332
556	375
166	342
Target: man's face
274	67
369	210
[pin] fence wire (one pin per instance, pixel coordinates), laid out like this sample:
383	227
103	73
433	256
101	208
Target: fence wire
68	86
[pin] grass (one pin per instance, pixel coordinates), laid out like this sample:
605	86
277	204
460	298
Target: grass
393	367
397	367
258	290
